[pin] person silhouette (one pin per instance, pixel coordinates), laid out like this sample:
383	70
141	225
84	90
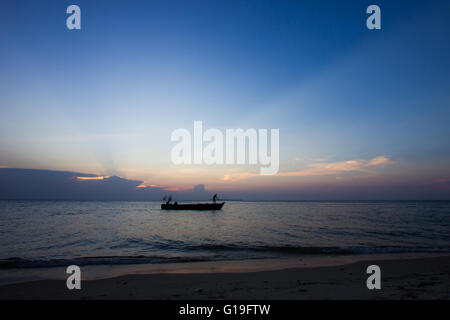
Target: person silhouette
215	197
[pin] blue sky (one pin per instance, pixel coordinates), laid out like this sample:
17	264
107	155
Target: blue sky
105	99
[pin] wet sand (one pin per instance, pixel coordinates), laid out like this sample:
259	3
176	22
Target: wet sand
418	278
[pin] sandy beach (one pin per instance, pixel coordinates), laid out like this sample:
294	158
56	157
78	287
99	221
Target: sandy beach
419	278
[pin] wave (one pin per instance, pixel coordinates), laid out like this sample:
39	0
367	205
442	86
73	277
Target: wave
166	245
12	263
235	253
316	250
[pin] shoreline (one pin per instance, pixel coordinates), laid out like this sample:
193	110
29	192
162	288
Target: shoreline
105	271
404	276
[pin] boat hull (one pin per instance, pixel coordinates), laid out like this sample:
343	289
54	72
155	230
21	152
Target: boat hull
193	206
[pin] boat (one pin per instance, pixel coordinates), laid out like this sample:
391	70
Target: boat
192	206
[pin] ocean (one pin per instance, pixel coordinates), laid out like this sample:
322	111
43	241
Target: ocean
36	234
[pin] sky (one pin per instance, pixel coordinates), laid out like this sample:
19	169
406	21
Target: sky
362	114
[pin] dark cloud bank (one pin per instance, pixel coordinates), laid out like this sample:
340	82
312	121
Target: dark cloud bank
31	184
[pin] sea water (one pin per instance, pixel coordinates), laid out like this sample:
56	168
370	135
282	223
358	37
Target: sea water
60	233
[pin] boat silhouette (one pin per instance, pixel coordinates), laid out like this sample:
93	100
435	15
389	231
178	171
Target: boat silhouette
192	206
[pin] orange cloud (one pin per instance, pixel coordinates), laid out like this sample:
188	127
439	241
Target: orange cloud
238	176
92	178
321	169
144	185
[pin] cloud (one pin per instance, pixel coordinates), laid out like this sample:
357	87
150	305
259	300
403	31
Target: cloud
379	161
199	188
92	178
34	184
238	176
439	184
321	169
145	185
330	168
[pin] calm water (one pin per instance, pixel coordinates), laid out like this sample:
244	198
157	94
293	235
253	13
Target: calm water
40	234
